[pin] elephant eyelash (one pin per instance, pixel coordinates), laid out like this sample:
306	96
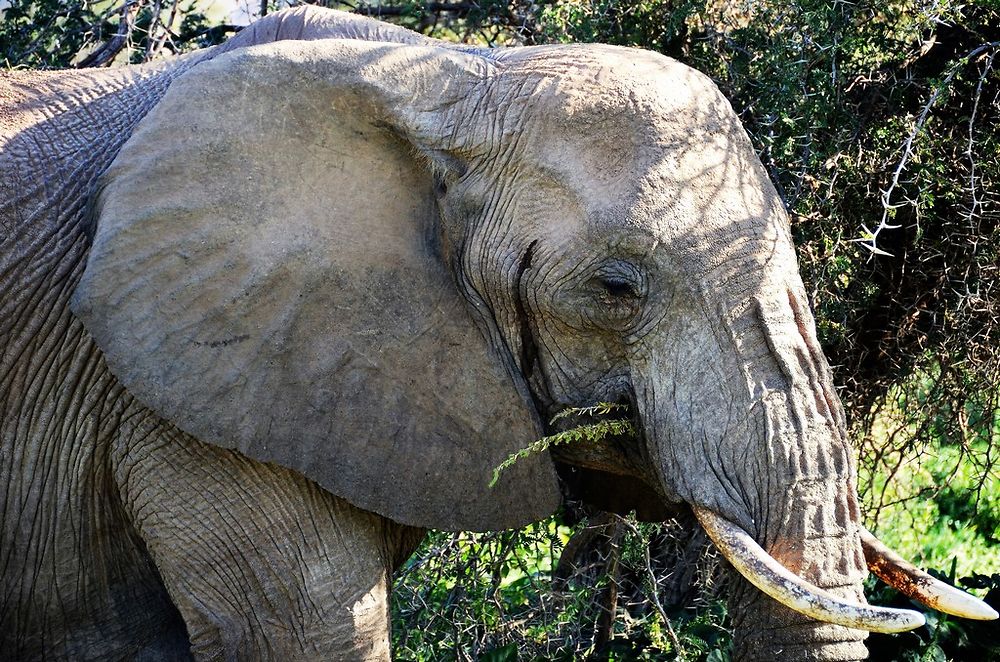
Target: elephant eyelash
619	300
618	282
619	288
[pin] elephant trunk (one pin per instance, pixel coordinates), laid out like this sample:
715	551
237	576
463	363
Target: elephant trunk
809	519
802	597
776	494
805	545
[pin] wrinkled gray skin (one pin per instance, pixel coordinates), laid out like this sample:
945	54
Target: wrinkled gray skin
327	286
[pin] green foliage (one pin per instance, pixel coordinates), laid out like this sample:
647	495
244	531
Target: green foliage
44	34
938	500
936	506
591	433
474	595
519	595
47	34
935	513
654	24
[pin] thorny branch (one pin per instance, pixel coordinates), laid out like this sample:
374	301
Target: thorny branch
107	52
870	238
609	583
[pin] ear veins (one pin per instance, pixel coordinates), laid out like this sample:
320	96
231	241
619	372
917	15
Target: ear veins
529	351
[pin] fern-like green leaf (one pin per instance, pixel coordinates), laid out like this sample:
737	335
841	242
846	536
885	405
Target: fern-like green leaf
591	433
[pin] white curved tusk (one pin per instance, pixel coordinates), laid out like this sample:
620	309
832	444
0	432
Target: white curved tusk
914	583
764	572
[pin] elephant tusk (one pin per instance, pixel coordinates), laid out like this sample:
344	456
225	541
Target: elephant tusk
916	584
764	572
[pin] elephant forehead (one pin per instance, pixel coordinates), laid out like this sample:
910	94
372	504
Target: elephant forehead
605	101
615	124
698	192
716	214
595	85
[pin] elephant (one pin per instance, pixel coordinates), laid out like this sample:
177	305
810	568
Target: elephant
272	309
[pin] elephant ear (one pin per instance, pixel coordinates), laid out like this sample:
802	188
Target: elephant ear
266	274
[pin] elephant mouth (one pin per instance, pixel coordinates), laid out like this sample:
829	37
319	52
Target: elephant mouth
767	574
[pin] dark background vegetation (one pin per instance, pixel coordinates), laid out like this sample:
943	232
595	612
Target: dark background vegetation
879	122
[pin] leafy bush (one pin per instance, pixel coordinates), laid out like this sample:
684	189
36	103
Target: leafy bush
548	592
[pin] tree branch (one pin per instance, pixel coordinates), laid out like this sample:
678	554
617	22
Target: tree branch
460	8
107	52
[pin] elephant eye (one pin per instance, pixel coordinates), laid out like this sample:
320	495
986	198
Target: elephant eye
619	288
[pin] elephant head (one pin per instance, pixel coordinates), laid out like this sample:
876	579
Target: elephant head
386	266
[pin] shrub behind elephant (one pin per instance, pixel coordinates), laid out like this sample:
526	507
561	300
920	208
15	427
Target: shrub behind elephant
325	278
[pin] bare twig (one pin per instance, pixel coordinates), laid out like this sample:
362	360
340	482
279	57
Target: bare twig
107	52
653	594
870	238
